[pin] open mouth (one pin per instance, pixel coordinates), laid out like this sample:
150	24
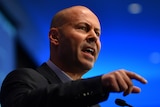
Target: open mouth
89	50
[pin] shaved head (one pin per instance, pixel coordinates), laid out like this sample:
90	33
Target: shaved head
65	15
73	30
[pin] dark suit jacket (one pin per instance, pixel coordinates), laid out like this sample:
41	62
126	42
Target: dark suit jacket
27	87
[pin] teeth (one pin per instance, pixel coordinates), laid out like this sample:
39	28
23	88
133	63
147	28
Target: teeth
90	50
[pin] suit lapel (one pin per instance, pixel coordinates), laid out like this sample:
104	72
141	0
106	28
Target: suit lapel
49	74
52	78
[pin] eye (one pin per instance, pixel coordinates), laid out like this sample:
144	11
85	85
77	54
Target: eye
84	28
97	33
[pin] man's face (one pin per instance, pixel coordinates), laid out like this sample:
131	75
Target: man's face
79	40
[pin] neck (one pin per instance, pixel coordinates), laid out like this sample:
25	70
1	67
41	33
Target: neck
74	73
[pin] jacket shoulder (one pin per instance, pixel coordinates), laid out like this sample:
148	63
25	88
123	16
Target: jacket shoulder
25	75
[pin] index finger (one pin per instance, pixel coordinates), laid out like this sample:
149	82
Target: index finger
137	77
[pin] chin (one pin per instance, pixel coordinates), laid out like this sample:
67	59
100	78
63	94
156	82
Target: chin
88	66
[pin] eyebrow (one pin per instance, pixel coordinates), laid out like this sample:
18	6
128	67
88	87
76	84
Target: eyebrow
88	24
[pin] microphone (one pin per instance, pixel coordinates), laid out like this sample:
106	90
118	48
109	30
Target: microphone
121	102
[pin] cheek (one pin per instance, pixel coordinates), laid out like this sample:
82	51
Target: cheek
76	40
72	45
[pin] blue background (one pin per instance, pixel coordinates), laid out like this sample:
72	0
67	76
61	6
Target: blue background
130	39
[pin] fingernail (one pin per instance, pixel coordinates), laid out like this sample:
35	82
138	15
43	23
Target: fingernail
145	81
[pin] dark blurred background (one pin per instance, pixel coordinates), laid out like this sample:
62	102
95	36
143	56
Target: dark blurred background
130	40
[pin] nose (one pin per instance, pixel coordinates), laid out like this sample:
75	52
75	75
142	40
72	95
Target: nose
92	37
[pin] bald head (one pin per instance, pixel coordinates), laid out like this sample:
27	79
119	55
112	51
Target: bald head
73	31
65	15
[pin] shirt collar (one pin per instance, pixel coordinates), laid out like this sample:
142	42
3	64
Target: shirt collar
61	74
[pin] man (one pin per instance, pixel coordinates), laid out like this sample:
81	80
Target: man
74	46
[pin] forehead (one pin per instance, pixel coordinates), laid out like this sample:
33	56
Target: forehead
76	15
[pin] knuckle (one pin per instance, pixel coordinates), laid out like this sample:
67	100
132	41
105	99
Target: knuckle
130	84
122	70
117	72
111	77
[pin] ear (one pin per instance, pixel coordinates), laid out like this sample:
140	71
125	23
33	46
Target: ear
53	36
